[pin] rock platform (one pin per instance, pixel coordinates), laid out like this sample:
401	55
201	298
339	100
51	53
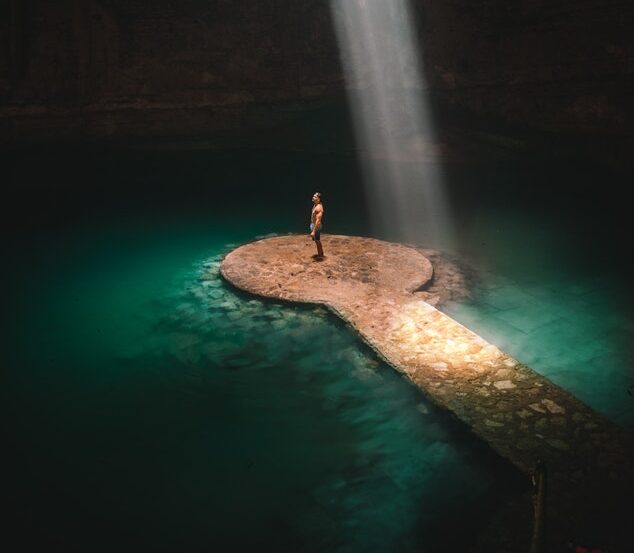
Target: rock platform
377	288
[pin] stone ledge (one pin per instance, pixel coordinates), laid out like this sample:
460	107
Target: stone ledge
372	285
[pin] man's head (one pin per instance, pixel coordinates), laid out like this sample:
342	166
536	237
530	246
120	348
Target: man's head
317	197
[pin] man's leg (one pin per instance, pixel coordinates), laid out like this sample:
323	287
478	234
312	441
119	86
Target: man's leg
320	251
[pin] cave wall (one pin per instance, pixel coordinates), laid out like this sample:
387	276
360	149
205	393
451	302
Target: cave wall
560	66
115	68
99	67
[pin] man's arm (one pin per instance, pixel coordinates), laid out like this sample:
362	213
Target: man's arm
317	224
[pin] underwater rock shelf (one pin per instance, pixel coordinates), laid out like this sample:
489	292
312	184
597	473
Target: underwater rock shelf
373	285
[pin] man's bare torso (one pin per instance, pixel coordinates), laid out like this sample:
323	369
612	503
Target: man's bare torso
319	208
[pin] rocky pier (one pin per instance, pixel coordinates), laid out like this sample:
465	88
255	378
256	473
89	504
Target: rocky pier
378	288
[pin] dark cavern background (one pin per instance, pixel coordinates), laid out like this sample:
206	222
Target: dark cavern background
141	141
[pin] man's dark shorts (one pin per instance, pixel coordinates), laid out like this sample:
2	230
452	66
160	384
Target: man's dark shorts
317	236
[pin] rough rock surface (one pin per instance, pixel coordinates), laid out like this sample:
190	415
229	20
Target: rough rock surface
97	68
524	417
283	268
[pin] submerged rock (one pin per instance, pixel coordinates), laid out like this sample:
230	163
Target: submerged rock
375	287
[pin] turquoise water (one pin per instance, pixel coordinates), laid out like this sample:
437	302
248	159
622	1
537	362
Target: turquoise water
155	407
553	303
151	407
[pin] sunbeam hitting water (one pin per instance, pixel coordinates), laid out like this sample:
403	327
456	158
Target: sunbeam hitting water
393	123
153	406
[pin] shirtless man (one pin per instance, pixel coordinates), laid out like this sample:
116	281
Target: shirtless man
316	217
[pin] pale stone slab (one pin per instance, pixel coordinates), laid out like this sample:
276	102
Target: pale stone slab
373	286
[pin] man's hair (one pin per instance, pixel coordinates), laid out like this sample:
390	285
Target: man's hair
318	194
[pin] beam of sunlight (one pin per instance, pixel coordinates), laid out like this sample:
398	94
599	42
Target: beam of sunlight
393	124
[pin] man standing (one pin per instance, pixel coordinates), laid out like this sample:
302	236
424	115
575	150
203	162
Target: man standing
316	218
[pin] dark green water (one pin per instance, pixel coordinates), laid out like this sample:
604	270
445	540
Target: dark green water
150	407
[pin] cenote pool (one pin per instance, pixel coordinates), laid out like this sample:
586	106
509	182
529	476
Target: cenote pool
152	407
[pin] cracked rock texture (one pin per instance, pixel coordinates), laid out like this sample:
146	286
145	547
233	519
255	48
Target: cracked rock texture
114	68
375	287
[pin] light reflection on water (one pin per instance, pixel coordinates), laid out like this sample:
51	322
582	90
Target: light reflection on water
150	403
208	413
